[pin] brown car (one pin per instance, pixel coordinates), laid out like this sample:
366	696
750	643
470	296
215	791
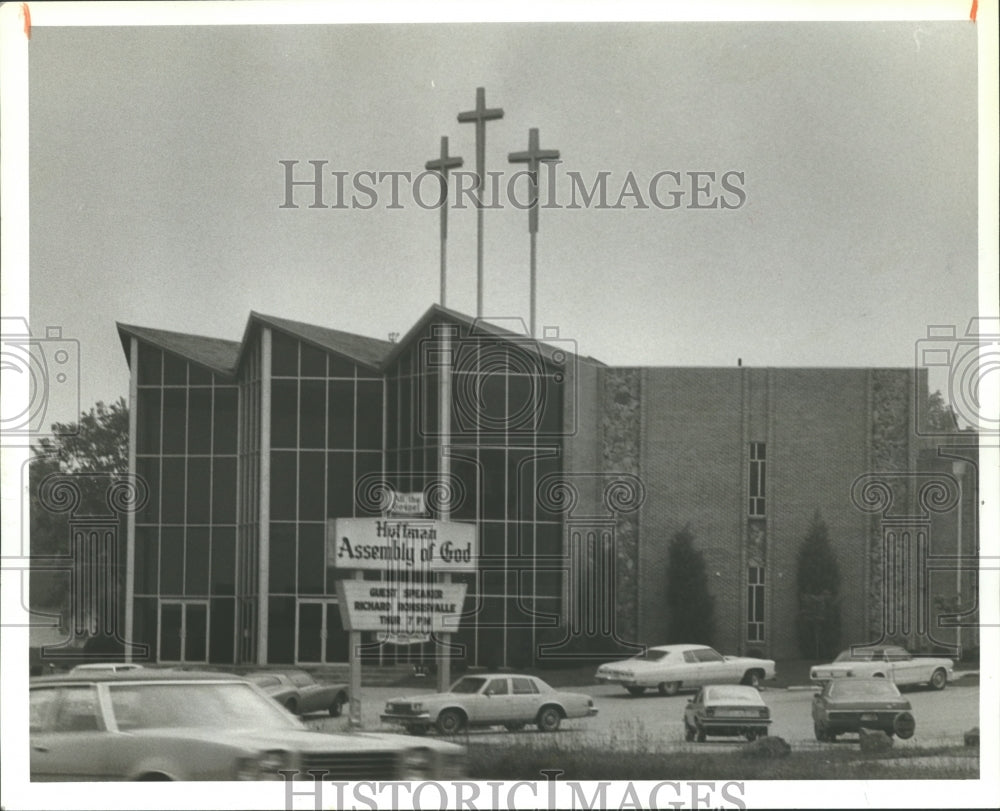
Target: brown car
300	693
154	724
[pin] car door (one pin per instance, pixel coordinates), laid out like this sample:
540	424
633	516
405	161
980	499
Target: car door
688	671
526	698
69	740
498	701
310	692
906	669
712	667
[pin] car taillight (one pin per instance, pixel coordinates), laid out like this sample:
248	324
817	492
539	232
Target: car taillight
764	712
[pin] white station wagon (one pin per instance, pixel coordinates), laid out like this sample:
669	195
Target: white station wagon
670	668
887	662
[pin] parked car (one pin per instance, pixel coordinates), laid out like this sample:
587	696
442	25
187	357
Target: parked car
848	705
726	709
300	693
109	667
670	668
889	662
187	725
490	699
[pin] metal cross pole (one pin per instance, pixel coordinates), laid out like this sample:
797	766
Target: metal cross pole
479	117
442	165
533	156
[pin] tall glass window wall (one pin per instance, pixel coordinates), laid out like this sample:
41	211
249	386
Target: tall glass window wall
326	420
185	535
506	414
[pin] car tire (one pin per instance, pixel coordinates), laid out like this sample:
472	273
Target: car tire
669	688
549	719
752	679
636	691
514	727
688	732
939	679
699	733
337	707
904	725
450	722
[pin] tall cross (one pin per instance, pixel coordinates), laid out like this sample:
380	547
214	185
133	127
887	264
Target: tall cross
533	156
442	165
480	116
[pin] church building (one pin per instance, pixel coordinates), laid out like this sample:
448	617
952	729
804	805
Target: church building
576	476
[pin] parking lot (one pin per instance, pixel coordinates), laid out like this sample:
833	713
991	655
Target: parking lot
652	720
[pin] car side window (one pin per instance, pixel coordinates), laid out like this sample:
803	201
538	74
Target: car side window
41	709
301	679
524	687
708	655
690	657
498	687
78	710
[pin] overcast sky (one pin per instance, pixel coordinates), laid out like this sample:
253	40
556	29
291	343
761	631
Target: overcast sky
156	187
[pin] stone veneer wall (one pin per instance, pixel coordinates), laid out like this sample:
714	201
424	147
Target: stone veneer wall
621	429
890	452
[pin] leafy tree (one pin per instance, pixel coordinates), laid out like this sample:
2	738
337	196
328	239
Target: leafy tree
86	456
690	607
939	415
819	590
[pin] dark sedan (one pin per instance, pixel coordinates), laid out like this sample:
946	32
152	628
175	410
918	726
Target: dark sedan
849	705
729	709
300	693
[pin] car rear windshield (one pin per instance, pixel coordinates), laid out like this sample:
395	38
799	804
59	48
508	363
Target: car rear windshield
742	695
139	705
852	688
851	656
652	655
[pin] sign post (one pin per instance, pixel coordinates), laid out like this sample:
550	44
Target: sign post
354	661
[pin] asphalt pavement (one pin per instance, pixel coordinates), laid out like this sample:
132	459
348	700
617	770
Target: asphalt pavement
652	721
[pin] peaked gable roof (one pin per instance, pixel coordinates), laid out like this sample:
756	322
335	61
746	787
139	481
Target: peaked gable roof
224	356
217	354
368	351
480	327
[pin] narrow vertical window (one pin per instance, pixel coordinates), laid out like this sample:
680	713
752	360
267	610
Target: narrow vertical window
755	604
758	477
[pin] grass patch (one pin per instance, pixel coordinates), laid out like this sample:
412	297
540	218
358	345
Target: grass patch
629	752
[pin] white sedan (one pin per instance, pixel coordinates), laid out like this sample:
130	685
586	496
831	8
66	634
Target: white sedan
511	700
887	662
670	668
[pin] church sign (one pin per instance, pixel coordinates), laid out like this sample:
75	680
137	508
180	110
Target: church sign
401	545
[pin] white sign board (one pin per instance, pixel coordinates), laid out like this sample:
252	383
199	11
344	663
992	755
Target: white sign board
407	504
397	608
400	545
